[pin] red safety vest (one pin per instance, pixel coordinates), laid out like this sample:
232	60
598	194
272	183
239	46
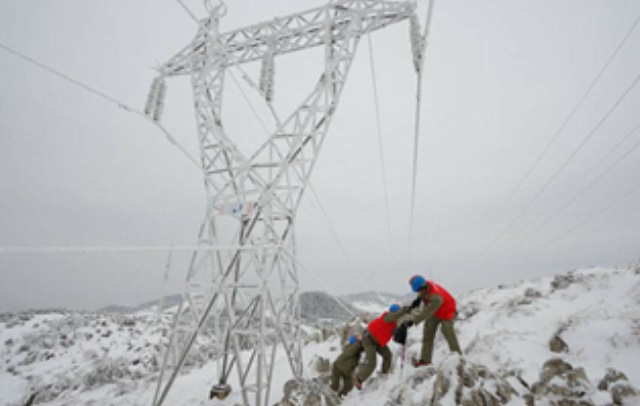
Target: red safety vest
448	308
381	330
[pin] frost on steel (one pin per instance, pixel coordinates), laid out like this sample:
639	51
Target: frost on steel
244	290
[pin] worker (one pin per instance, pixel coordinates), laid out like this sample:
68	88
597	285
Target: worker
439	310
345	365
375	340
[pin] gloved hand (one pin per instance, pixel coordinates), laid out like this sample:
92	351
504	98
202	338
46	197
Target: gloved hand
400	334
407	324
415	303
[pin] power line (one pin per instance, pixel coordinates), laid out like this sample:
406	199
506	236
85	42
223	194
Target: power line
582	192
116	250
376	103
563	166
189	12
103	96
320	207
416	137
253	109
321	282
561	129
67	78
584	175
592	216
335	233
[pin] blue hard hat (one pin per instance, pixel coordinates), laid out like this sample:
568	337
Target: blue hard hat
353	339
394	307
417	282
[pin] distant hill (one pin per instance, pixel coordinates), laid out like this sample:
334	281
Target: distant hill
320	305
375	302
315	305
572	338
167	302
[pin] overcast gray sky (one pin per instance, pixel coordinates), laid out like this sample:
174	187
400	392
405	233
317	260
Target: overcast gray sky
501	78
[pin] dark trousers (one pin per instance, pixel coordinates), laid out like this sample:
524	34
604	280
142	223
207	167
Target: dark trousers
338	376
371	349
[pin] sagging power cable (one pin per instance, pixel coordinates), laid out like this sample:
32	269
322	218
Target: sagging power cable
561	129
592	216
416	138
328	288
562	167
376	103
318	203
105	97
117	250
582	192
577	182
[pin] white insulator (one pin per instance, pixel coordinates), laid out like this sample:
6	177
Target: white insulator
159	105
267	75
417	42
152	97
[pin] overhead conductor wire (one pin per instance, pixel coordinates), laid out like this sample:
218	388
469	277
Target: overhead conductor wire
103	96
416	139
560	130
592	216
563	166
584	189
320	207
376	103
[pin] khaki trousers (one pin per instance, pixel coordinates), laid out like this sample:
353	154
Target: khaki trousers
429	334
371	349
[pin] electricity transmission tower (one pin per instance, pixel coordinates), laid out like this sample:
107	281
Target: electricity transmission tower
245	288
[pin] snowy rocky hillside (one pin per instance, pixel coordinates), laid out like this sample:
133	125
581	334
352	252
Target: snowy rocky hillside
571	339
374	302
315	305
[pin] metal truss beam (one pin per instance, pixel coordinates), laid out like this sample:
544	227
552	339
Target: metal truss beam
243	301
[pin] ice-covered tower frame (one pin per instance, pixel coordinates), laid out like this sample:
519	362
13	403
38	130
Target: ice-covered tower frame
245	288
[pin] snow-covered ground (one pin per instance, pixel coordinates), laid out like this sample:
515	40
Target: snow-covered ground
97	359
508	329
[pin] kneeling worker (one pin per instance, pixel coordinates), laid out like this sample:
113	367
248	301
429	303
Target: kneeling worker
375	339
344	366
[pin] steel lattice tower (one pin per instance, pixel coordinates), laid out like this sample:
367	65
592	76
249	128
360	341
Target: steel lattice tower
245	288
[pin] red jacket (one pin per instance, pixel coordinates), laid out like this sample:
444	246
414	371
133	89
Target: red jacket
381	330
448	308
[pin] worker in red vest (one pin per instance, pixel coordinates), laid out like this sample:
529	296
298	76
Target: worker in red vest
439	310
375	339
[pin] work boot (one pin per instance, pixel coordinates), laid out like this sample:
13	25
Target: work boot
357	383
417	363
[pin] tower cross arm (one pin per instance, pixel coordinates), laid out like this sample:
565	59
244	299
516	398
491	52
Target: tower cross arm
289	34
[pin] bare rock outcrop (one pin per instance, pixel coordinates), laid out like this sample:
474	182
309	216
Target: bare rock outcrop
612	376
307	392
561	384
557	344
469	384
563	281
621	390
624	394
406	394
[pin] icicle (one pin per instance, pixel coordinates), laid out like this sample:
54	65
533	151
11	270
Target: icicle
267	75
159	103
152	97
417	42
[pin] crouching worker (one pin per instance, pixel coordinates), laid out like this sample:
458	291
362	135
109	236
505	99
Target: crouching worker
439	311
344	365
374	341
